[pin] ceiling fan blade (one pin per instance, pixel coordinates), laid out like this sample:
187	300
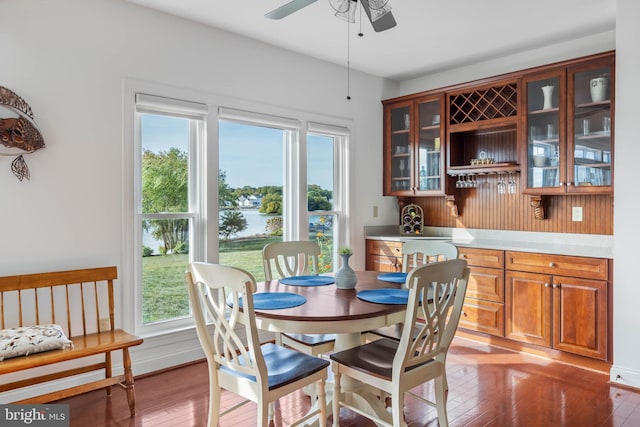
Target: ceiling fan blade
288	9
383	23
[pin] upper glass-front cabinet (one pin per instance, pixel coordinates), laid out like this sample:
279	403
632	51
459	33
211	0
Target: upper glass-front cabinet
399	143
569	130
545	102
429	153
589	166
413	148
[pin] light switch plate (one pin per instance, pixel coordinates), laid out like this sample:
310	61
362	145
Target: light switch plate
576	213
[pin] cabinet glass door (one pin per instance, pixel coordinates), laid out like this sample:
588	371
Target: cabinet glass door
401	158
429	154
591	156
544	132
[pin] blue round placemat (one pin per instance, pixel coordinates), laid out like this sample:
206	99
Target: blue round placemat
384	295
307	280
273	300
393	277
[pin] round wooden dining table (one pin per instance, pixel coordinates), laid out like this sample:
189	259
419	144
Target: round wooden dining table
329	310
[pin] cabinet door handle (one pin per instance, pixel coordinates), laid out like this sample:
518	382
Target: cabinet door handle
569	184
556	285
552	264
546	285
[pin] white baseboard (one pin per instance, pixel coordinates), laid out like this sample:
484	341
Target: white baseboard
624	376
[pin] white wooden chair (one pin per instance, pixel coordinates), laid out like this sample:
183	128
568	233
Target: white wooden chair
296	258
436	294
414	254
419	252
258	373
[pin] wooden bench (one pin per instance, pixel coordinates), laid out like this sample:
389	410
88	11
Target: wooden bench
82	302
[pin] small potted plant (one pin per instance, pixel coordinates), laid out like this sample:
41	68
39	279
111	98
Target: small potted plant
345	276
345	250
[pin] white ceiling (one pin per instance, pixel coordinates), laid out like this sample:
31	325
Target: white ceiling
431	35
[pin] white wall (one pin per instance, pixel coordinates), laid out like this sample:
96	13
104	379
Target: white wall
595	43
68	60
626	289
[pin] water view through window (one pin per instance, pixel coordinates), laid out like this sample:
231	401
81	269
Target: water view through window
257	170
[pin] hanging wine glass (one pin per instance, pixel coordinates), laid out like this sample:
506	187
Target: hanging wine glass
512	185
502	186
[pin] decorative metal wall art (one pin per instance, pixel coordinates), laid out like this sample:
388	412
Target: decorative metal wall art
18	131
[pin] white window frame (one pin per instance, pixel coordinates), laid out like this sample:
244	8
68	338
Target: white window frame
340	211
206	206
295	212
196	113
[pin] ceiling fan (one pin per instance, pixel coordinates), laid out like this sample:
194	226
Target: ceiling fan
378	11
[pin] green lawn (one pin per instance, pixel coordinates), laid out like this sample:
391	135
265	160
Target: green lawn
164	291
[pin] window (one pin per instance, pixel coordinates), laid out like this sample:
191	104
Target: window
278	182
250	192
326	148
169	138
282	166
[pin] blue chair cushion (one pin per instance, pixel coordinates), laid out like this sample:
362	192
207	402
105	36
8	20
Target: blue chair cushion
285	366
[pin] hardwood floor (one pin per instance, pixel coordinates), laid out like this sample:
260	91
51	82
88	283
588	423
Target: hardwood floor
488	386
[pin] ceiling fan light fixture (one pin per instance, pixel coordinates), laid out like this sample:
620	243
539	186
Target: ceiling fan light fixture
377	4
340	6
378	8
350	14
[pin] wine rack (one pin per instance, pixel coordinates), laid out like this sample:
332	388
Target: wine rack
412	220
494	102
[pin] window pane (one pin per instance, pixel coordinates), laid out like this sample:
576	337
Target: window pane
250	189
320	196
165	164
164	294
321	230
320	155
165	184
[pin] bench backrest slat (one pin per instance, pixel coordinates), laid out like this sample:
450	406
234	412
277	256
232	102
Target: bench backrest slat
23	300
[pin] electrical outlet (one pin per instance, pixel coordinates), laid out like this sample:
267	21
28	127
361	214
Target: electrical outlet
375	212
576	213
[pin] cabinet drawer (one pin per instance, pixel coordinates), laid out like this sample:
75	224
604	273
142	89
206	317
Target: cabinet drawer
483	316
482	257
572	266
386	264
384	248
486	284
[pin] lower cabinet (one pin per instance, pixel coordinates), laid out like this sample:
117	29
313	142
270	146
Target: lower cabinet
555	301
384	255
559	311
483	308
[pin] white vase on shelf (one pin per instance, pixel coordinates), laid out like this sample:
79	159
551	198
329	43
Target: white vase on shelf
547	92
598	88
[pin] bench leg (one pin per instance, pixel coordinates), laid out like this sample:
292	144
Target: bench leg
107	369
128	379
